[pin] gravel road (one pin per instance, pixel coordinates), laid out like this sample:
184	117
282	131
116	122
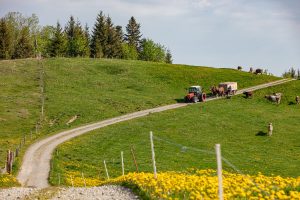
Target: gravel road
36	162
15	193
104	193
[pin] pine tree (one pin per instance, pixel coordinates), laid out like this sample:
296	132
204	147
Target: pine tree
57	43
133	36
5	40
24	47
169	57
81	42
114	40
87	39
293	72
99	36
71	37
111	38
119	41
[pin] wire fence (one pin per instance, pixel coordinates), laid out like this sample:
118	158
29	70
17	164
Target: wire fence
165	149
13	153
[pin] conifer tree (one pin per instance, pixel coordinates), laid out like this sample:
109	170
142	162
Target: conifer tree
113	47
87	40
24	47
119	41
99	36
5	40
133	34
81	42
57	43
169	57
71	38
111	38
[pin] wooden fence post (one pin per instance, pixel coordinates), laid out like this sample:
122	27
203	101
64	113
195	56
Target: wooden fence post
153	155
72	181
106	170
83	179
17	152
9	162
219	163
24	139
122	163
133	156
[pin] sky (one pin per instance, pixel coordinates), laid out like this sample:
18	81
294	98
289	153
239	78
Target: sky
218	33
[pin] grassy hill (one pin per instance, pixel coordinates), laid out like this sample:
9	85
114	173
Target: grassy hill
92	89
185	138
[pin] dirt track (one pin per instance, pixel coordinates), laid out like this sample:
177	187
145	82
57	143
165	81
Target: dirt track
36	162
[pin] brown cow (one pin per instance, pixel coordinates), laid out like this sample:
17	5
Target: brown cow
217	91
214	91
248	94
221	91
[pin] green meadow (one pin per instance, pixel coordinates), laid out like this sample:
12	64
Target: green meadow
92	90
185	138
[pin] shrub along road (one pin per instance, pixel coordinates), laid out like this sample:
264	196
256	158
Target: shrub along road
35	168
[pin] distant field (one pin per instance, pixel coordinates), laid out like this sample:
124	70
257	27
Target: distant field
93	90
238	124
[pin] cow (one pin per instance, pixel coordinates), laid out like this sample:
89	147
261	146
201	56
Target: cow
297	99
275	97
214	91
258	71
217	91
248	94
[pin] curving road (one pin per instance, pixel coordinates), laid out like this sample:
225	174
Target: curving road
36	162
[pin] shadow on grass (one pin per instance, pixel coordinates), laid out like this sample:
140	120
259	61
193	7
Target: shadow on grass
292	103
180	100
261	133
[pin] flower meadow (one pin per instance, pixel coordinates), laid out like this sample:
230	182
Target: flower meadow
202	184
8	180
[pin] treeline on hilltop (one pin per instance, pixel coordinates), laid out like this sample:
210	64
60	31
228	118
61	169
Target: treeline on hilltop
23	37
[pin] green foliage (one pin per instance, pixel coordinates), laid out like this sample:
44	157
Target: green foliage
44	40
291	73
129	52
77	43
98	41
23	31
238	124
133	34
113	47
24	47
5	40
152	51
169	57
57	46
25	38
106	39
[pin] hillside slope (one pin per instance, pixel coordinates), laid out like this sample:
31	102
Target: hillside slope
185	138
92	90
